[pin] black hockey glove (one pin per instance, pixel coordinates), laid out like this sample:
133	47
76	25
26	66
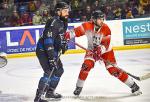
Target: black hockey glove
64	46
53	64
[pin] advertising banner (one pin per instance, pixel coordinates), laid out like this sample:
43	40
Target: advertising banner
136	32
22	40
124	32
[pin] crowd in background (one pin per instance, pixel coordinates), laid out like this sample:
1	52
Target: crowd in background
36	12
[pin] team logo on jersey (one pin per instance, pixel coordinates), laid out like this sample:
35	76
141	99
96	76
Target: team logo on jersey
49	34
96	39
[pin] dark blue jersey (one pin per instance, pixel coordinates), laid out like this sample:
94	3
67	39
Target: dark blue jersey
53	35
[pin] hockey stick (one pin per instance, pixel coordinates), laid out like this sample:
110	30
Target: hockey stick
3	61
46	84
139	78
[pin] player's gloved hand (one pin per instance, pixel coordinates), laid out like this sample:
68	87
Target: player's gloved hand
97	53
64	46
67	36
53	64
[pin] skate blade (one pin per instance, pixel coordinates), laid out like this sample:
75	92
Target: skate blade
52	99
76	96
136	93
43	101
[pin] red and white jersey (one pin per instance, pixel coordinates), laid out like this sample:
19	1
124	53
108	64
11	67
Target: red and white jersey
88	28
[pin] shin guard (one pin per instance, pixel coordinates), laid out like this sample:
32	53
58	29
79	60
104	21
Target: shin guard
121	75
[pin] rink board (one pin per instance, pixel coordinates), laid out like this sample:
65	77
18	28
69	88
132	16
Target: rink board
126	34
133	47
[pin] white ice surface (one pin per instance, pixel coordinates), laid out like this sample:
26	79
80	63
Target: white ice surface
19	79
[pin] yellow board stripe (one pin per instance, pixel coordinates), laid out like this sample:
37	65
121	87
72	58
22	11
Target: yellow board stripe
132	47
74	51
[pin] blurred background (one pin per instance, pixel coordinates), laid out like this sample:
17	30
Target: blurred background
36	12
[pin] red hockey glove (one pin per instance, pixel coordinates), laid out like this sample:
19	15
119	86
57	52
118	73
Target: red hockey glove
67	36
97	53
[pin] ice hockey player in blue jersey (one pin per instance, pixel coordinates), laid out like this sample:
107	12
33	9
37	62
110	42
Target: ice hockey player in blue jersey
51	42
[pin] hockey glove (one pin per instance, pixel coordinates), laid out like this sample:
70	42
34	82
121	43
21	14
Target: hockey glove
53	64
97	53
67	36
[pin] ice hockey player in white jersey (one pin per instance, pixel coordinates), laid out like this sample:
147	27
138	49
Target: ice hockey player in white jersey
99	36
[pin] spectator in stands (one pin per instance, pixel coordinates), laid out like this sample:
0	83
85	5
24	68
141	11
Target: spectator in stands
31	6
6	10
22	7
96	5
134	10
123	12
6	4
37	18
51	4
76	11
10	2
75	5
86	13
141	10
144	4
76	8
117	12
109	13
148	8
15	7
42	7
84	2
25	20
14	19
7	21
45	16
5	13
38	3
129	14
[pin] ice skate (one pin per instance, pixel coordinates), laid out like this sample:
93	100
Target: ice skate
38	97
135	89
41	100
50	96
77	91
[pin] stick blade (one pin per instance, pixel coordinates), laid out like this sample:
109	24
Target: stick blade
144	77
3	62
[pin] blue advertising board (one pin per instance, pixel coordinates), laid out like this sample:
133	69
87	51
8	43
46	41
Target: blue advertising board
22	40
136	32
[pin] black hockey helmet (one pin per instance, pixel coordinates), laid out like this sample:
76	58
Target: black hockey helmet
61	5
97	14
